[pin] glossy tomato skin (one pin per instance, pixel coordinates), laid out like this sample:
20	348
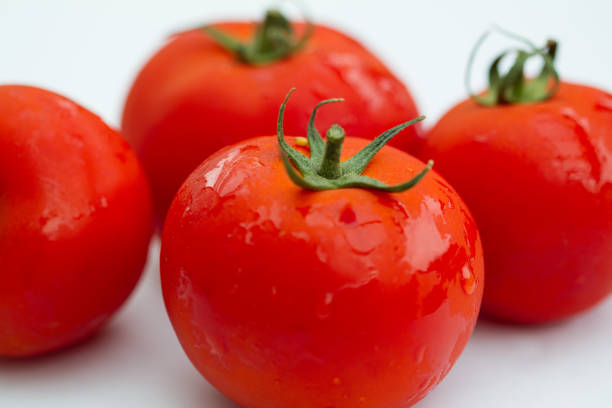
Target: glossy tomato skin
537	178
283	297
193	97
75	221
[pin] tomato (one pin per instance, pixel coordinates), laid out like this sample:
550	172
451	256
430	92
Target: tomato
285	297
75	221
194	97
537	177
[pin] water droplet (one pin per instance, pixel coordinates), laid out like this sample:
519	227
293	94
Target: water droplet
103	202
427	384
337	381
468	281
76	140
273	290
347	215
425	241
212	177
303	210
358	76
419	355
121	157
320	91
321	254
183	291
43	220
604	103
67	106
324	308
249	147
366	237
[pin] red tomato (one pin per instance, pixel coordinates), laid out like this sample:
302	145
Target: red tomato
537	178
75	221
284	297
194	97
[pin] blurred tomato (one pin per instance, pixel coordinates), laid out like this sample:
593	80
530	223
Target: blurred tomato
537	175
194	96
75	221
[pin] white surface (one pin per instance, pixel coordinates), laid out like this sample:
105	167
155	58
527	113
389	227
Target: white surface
91	50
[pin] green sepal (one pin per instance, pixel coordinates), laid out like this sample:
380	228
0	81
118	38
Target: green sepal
274	40
323	170
315	141
514	86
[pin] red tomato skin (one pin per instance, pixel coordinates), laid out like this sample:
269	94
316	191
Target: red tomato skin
537	178
75	221
193	97
283	297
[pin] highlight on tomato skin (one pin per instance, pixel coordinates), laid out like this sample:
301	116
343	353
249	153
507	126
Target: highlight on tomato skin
534	169
283	296
75	222
195	95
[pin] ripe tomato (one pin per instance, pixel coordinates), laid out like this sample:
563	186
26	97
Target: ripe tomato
75	221
537	177
284	297
194	97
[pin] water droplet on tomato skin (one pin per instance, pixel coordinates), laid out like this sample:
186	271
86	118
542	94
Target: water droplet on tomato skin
364	80
183	291
122	157
419	355
347	215
468	281
249	147
604	103
320	91
324	307
304	210
427	384
365	237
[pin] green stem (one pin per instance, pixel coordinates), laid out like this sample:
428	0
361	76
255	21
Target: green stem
514	86
330	167
274	40
323	169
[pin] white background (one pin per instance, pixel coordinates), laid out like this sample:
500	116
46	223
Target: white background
90	51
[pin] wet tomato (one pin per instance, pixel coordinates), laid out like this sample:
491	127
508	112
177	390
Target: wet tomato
195	96
537	175
286	297
75	221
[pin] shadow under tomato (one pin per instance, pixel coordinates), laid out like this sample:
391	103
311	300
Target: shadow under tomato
196	392
503	358
220	401
65	361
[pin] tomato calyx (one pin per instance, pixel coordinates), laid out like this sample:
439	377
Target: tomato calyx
274	40
514	86
323	169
